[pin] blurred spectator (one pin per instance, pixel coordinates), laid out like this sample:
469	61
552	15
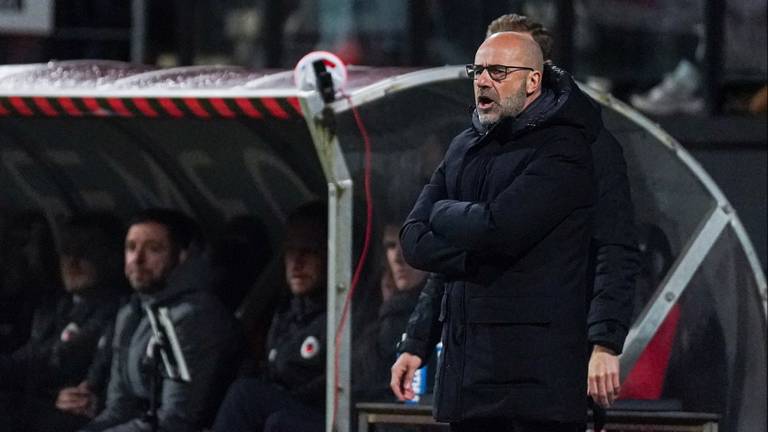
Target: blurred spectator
376	351
166	271
65	332
289	392
28	273
678	92
681	91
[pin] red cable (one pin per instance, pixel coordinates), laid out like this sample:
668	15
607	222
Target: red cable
363	253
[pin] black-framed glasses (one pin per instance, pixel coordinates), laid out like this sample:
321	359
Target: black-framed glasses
496	72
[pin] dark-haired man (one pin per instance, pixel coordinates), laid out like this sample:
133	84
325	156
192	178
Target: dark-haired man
165	272
614	262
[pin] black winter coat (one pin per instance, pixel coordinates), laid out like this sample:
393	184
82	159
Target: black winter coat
296	347
62	344
376	348
506	221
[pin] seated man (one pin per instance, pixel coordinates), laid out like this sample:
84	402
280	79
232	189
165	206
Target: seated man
66	329
289	394
164	272
372	358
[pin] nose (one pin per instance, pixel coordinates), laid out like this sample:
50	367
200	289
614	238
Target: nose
299	260
484	79
399	255
137	256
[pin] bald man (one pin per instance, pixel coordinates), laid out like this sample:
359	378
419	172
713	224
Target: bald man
504	228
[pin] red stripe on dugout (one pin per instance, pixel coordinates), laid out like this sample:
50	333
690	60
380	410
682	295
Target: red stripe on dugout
20	106
248	108
274	108
221	107
144	106
93	106
196	108
170	107
69	107
119	106
45	106
3	111
296	105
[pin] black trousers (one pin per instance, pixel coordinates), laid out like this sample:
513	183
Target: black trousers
512	425
254	406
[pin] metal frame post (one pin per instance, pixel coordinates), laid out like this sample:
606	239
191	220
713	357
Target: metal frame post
320	121
138	31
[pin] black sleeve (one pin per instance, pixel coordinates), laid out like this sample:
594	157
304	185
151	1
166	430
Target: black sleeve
614	245
422	247
18	366
424	326
557	181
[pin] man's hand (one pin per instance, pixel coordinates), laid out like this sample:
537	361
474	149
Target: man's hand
603	379
77	400
402	376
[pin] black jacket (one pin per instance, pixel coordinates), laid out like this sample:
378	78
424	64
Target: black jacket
296	347
506	221
376	347
62	343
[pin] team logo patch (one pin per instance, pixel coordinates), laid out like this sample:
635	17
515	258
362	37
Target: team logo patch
102	342
310	347
69	332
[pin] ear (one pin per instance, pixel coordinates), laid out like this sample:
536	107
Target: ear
533	83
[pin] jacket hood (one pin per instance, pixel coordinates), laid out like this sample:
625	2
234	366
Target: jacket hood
193	275
561	103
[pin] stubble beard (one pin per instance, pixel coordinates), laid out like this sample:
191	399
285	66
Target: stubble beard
510	106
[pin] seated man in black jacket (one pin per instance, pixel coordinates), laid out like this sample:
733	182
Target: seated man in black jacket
289	394
66	330
377	346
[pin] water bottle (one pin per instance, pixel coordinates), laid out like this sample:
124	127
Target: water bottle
419	383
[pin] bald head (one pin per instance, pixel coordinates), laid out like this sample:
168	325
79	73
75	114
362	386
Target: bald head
520	61
523	49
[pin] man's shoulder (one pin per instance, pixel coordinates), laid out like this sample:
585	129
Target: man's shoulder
606	148
560	139
199	305
463	138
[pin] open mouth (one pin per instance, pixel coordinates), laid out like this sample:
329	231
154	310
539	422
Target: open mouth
484	102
